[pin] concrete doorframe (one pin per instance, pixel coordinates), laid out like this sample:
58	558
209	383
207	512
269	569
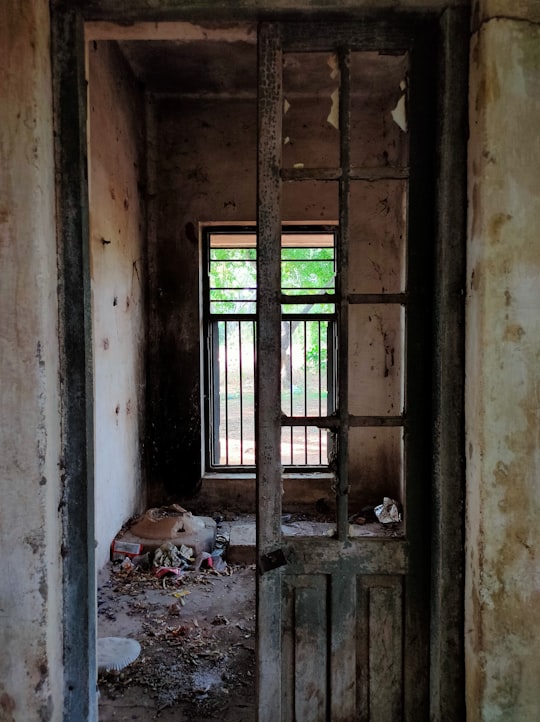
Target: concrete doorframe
447	504
75	336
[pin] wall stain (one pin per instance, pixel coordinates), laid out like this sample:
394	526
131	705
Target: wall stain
475	210
513	332
7	707
474	285
496	224
35	540
46	710
515	550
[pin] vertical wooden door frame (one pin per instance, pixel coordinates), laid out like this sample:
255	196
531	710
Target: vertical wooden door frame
447	663
268	368
77	506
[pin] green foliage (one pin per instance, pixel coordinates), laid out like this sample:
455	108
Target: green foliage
233	278
306	271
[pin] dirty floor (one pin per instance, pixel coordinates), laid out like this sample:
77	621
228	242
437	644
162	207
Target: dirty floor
197	636
196	631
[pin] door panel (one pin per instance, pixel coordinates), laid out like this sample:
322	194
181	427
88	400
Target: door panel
380	655
342	652
343	619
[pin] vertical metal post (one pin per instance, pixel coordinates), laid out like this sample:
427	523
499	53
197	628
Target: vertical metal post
215	423
342	297
319	385
226	389
268	392
291	398
241	391
305	393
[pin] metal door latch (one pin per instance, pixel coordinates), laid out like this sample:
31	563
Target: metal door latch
271	560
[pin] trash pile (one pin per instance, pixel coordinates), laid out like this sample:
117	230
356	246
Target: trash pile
172	560
193	614
173	541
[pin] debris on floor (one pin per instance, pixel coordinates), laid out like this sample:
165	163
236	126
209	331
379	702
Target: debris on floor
167	522
115	653
196	627
170	523
388	511
193	612
169	555
121	549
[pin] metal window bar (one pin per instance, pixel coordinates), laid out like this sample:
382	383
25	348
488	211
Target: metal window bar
233	373
291	410
226	351
233	361
318	381
304	388
241	394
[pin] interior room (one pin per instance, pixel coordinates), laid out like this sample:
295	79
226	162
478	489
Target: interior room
172	148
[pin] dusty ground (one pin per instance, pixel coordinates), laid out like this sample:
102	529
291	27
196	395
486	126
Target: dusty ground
197	634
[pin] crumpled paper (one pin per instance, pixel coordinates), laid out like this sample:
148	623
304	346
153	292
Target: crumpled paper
168	555
388	512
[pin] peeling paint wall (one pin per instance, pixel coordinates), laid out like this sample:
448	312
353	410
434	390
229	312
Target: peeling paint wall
118	271
503	362
30	565
206	172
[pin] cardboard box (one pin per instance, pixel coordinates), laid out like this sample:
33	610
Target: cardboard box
122	549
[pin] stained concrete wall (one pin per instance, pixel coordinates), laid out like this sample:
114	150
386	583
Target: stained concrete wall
30	490
117	177
206	172
503	361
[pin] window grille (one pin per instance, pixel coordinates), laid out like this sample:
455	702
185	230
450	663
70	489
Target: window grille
308	345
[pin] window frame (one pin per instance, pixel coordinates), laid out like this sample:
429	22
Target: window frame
208	380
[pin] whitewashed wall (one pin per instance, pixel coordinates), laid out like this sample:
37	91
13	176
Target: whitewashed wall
503	366
30	533
118	269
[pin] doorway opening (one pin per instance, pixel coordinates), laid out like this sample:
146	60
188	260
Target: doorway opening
179	159
168	159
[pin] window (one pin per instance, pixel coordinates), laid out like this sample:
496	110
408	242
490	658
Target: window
308	344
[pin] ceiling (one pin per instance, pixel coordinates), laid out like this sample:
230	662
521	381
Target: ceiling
195	67
228	67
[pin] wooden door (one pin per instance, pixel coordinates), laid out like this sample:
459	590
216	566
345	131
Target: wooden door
343	621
